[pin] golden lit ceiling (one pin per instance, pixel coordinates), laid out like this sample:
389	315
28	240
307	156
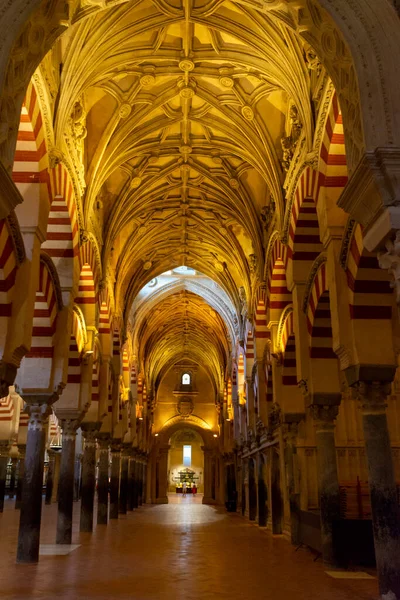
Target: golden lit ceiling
177	110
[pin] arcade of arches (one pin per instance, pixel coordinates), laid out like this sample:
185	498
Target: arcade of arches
200	248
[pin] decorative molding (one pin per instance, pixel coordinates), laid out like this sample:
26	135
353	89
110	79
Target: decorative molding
346	242
317	264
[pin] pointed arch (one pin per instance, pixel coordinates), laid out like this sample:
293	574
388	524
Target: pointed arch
278	294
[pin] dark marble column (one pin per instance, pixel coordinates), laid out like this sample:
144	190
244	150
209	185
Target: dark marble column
123	490
66	483
77	477
131	484
50	477
4	456
145	466
115	477
290	430
135	484
102	482
88	477
20	476
328	483
32	487
384	504
11	491
140	482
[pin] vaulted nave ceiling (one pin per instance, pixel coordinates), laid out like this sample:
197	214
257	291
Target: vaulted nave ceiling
177	112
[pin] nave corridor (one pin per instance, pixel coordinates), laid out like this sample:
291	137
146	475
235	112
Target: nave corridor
174	551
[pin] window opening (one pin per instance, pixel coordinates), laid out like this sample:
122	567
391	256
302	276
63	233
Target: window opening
186	379
187	456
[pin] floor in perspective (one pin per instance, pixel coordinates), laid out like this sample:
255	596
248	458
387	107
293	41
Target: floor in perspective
180	551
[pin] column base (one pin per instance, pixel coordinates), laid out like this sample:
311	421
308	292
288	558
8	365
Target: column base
163	500
209	500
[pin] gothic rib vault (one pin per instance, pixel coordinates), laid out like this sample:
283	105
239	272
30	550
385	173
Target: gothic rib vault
203	191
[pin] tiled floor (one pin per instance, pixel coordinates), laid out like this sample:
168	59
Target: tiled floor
179	551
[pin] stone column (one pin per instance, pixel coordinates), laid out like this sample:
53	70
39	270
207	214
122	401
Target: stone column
130	503
123	490
115	476
324	420
4	456
88	477
32	487
144	499
140	498
66	484
135	484
384	504
50	477
56	476
163	475
11	491
251	410
290	430
102	482
208	461
20	476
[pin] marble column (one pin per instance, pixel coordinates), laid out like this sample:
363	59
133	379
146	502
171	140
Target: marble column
123	490
56	476
77	476
20	475
328	483
102	482
66	482
32	487
115	477
208	476
145	467
162	497
88	478
50	477
135	484
4	456
140	484
382	484
290	430
11	491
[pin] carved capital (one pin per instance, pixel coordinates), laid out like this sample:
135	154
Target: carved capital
38	415
372	396
69	428
324	416
89	434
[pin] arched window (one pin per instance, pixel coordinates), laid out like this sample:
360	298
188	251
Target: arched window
186	379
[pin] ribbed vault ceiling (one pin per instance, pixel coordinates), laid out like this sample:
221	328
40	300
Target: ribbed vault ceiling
186	103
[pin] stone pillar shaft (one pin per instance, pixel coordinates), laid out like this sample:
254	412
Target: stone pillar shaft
123	490
31	501
328	482
3	475
66	483
114	485
102	483
384	505
21	467
88	480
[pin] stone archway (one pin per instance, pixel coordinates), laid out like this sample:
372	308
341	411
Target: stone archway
160	476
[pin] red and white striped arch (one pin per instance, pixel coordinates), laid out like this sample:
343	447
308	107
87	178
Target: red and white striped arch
76	346
62	240
278	294
287	344
371	295
30	169
44	316
8	270
333	174
319	321
304	240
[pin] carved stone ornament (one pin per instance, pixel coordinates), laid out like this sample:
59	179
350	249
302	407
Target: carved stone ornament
38	415
185	407
324	415
390	260
289	142
275	416
372	395
125	110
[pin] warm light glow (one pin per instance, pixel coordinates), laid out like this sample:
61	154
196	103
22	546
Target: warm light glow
140	418
215	435
156	435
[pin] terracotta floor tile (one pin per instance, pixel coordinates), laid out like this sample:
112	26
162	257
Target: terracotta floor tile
180	551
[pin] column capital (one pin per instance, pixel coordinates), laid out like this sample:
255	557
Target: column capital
103	441
89	435
324	416
38	415
372	396
69	428
116	446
